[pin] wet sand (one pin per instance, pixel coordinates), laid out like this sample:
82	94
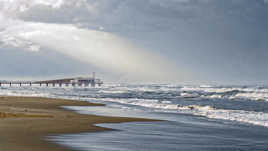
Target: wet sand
26	121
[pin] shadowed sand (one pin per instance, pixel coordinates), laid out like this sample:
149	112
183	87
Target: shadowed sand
26	121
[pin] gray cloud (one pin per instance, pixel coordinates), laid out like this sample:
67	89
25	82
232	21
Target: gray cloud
122	16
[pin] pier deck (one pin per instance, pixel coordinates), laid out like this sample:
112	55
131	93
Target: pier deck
78	81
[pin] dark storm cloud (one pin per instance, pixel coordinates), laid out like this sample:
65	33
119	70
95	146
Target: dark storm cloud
116	14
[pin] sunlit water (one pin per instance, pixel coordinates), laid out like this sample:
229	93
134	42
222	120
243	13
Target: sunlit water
198	117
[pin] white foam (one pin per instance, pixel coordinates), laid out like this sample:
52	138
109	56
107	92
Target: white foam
251	117
154	104
23	92
206	86
113	91
253	96
122	88
189	95
207	89
166	102
240	93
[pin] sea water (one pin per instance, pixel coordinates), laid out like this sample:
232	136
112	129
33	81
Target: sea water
197	117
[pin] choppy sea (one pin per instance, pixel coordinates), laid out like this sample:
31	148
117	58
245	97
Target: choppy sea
198	118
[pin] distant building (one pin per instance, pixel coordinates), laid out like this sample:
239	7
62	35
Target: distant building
86	81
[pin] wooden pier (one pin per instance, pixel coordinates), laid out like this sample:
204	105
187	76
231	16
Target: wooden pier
78	81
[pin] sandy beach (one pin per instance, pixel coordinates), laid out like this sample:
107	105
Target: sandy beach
26	121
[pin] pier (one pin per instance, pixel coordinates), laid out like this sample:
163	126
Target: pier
77	81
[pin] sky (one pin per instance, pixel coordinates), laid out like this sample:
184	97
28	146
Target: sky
136	41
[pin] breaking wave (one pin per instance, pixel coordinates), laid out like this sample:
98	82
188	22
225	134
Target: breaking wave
198	92
256	118
250	117
251	93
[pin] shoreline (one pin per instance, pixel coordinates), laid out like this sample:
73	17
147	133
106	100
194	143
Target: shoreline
27	121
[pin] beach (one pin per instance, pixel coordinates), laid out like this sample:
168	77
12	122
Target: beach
198	118
27	121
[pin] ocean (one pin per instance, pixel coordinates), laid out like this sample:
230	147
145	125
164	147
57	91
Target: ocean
196	118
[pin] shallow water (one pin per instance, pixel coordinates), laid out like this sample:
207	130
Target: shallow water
181	132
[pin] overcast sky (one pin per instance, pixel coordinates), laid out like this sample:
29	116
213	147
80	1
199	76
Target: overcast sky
166	41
